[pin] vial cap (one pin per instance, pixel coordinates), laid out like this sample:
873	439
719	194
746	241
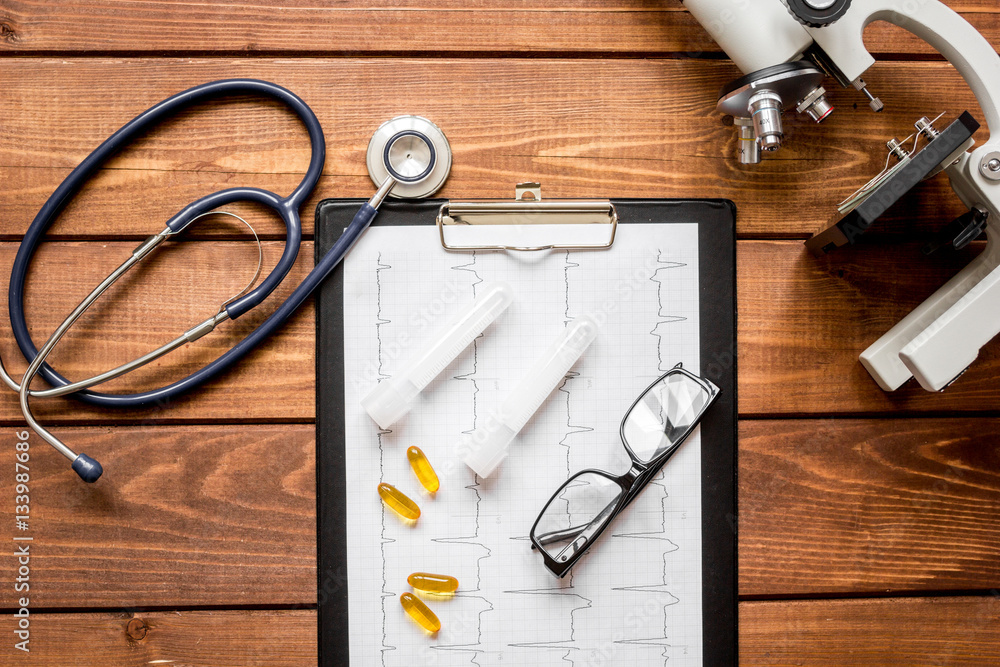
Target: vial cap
386	404
487	454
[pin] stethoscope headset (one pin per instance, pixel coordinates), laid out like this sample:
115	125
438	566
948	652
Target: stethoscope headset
408	156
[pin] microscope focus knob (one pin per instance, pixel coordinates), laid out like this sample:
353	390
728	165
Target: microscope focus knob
817	13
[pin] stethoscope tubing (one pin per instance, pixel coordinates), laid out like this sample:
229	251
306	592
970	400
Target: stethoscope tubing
286	207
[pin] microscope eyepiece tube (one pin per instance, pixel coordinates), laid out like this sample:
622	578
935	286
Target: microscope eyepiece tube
755	35
765	110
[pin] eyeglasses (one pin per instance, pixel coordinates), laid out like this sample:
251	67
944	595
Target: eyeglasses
653	428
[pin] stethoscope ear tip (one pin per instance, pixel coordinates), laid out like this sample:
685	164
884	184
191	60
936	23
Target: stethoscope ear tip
87	468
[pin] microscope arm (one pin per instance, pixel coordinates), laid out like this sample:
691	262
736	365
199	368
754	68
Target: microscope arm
943	335
930	20
938	340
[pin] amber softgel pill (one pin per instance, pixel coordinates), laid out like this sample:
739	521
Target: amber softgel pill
398	502
420	612
423	469
433	583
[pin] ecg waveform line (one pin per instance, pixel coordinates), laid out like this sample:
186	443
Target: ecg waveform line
662	532
564	592
475	648
380	322
663	587
554	643
571	428
665	319
471	647
567	591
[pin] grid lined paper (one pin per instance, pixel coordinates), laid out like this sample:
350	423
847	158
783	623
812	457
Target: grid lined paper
635	598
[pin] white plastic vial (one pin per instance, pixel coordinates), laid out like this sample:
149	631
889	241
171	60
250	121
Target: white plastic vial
487	446
393	397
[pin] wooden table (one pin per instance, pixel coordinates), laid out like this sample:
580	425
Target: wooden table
869	522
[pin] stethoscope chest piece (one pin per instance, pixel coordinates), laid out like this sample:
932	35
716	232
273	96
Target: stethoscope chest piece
414	151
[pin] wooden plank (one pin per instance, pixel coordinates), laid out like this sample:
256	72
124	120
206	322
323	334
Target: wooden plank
907	632
436	26
183	516
613	128
803	322
826	507
169	294
904	632
848	506
246	638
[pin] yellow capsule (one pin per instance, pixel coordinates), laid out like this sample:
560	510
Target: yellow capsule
433	583
420	612
398	502
423	470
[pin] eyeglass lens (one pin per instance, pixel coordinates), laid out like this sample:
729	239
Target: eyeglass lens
663	415
571	519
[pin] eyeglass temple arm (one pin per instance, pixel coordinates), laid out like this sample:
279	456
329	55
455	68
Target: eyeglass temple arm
559	535
584	538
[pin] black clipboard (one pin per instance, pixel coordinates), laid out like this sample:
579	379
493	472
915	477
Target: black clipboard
716	221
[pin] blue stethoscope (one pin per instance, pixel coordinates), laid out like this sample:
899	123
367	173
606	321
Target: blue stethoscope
408	156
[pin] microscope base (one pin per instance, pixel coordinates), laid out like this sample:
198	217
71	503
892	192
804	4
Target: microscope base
941	337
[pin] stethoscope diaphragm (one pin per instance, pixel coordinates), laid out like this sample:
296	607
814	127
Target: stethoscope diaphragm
412	150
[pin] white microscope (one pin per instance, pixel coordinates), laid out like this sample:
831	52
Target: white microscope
784	47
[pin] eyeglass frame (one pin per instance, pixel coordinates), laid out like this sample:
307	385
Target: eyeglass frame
638	476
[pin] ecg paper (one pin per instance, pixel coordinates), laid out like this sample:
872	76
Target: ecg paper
635	597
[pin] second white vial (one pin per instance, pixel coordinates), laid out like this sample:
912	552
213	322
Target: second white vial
487	446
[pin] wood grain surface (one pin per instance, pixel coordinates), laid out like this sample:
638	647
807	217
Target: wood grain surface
183	516
901	632
155	303
802	323
603	127
839	506
237	638
877	513
662	27
874	633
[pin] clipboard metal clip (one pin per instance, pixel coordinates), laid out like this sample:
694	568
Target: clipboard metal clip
528	223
